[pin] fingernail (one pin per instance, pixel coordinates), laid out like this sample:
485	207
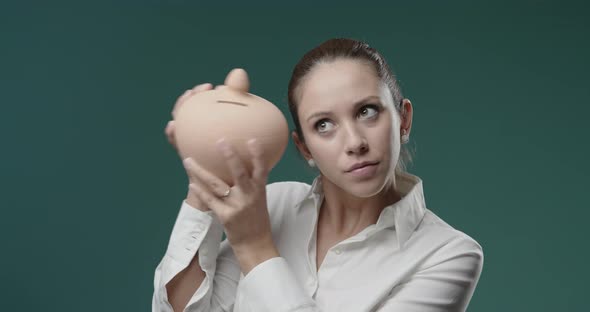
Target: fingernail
186	162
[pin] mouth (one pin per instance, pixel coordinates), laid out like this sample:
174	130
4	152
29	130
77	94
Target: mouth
361	165
364	172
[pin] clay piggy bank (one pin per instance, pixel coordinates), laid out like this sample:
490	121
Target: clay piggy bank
229	112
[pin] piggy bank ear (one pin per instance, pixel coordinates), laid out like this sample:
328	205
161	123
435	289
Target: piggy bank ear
238	79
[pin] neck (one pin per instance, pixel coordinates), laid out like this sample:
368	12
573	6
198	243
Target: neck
346	215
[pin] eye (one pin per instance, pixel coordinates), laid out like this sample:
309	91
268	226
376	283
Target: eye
322	125
365	111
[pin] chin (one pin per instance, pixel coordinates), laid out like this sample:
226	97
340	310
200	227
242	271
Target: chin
368	188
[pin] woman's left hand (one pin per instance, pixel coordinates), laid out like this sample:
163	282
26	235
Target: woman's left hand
243	213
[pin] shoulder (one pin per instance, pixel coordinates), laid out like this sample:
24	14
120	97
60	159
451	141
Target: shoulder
433	225
447	243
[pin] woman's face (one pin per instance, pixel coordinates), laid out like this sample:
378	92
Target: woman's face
347	117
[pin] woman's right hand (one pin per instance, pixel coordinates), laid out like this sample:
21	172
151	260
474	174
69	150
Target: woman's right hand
191	199
169	130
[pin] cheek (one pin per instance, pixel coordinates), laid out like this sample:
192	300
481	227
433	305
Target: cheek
386	132
389	142
314	146
325	151
326	154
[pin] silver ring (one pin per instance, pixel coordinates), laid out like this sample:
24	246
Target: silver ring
226	194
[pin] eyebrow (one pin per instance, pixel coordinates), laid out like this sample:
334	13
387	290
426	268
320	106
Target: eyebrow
356	105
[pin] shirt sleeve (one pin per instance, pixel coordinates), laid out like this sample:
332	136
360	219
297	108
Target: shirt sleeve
446	284
198	230
270	286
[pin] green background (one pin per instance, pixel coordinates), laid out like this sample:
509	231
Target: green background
91	188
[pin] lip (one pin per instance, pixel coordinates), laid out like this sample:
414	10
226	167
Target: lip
365	172
361	164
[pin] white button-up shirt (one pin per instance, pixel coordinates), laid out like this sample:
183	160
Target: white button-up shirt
410	260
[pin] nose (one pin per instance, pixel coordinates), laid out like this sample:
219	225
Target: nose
356	142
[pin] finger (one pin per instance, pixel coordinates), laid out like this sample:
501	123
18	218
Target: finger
215	184
169	129
259	171
210	201
238	171
201	190
202	87
180	101
188	93
170	133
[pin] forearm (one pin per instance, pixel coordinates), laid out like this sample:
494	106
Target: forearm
251	255
182	287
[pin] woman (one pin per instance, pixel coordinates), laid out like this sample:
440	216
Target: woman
360	238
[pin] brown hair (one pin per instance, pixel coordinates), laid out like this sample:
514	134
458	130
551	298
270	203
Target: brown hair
333	49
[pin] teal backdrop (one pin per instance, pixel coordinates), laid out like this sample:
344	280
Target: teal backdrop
91	188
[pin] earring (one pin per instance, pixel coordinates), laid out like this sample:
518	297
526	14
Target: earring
405	136
311	162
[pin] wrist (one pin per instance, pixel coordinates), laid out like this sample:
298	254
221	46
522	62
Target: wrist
249	256
193	201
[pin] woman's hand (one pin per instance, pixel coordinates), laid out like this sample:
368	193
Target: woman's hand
243	213
169	130
191	199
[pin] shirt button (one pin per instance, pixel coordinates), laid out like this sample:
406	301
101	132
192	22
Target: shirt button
337	251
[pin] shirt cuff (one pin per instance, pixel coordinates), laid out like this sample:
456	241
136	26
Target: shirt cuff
272	286
194	230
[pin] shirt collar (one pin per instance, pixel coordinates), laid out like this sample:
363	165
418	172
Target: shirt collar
403	215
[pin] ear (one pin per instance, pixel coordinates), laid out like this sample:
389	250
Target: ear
406	116
301	146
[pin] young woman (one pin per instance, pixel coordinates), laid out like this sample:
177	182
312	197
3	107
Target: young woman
360	238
